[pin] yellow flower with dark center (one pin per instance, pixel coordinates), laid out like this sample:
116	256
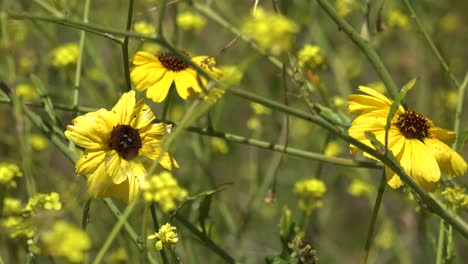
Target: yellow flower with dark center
114	141
155	74
417	144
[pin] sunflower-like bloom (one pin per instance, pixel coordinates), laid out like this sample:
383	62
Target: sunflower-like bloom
155	74
114	141
417	144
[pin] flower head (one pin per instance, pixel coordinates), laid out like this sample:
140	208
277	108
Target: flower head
38	142
190	21
456	196
310	56
144	28
155	74
164	190
417	144
360	188
114	141
64	55
8	171
310	193
26	92
166	235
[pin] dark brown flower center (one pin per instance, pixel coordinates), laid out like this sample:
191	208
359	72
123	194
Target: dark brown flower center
171	62
126	141
413	125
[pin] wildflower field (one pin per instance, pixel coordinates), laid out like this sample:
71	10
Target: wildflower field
274	131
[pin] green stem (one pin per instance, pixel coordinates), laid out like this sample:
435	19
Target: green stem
431	43
459	112
162	12
85	217
440	243
126	60
363	45
144	235
115	231
167	103
154	216
375	212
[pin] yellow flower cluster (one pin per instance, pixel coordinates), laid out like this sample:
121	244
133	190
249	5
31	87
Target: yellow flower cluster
310	56
398	19
38	142
8	171
232	75
345	7
310	193
26	92
272	32
66	241
333	149
166	236
360	188
219	145
190	21
164	190
456	196
46	201
254	123
64	55
144	28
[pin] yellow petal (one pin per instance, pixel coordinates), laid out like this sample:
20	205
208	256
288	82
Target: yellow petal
187	84
90	131
116	167
424	167
146	75
375	94
123	110
159	90
142	115
448	159
446	136
89	162
142	57
168	162
98	182
156	131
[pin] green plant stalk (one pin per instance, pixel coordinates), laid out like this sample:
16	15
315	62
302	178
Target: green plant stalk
154	216
115	231
85	217
162	12
440	243
143	236
459	113
167	103
431	43
125	58
205	240
363	45
375	213
76	85
49	8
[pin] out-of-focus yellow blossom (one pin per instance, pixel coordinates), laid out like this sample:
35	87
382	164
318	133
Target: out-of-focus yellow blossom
449	22
451	99
310	193
259	109
360	188
164	190
271	31
26	92
118	256
456	196
214	95
385	237
8	171
338	101
18	226
333	149
46	201
64	55
254	123
219	145
378	86
301	128
398	19
66	241
190	21
11	206
310	56
150	48
232	75
144	28
38	142
345	7
16	34
27	61
166	236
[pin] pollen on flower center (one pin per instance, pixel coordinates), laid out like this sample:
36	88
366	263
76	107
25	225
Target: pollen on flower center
126	141
171	62
413	125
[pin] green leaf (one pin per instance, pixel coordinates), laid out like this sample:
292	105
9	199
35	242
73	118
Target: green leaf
203	212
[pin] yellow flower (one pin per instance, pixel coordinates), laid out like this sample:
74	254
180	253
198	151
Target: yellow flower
144	28
190	21
164	190
166	236
46	201
398	19
11	206
157	73
271	31
333	149
360	188
114	141
345	7
310	193
64	55
66	241
38	142
310	56
8	171
260	109
219	145
418	145
26	92
232	75
456	196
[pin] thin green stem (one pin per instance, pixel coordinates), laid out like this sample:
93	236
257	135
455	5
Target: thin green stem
162	13
431	43
115	231
440	243
144	238
375	213
126	60
363	45
154	216
167	103
85	217
76	85
459	112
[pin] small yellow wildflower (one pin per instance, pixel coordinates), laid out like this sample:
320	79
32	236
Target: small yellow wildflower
8	171
18	226
417	144
310	193
260	109
38	142
156	74
360	188
144	28
64	55
398	19
66	241
11	206
26	92
338	101
254	123
456	196
219	145
232	75
190	21
46	201
150	48
384	239
345	7
164	190
310	56
166	236
271	31
333	149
